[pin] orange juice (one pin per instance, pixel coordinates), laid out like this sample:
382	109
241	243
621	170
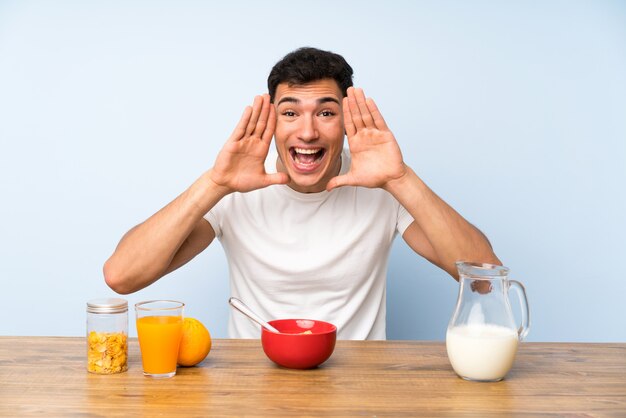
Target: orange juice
159	338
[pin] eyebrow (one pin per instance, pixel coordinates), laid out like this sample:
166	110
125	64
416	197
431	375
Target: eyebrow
295	100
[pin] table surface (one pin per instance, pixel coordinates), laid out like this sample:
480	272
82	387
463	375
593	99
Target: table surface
47	376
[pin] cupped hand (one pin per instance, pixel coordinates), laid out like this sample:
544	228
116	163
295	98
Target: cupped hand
376	156
240	165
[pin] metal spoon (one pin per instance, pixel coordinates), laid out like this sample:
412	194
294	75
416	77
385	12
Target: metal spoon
243	308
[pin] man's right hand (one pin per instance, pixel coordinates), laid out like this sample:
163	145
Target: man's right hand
177	233
240	165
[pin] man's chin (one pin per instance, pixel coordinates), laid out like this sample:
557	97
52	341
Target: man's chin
307	183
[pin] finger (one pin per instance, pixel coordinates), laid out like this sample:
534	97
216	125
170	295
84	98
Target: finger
271	125
354	110
256	111
276	178
265	111
366	116
240	129
347	119
377	117
338	181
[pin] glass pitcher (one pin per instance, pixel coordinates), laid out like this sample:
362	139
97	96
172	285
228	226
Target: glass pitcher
482	335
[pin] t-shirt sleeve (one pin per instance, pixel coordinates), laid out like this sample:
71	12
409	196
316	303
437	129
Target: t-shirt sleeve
404	219
219	215
215	216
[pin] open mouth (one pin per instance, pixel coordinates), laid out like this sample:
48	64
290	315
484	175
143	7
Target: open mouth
306	158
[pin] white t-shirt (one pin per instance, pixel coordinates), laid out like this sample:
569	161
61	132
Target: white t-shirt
310	255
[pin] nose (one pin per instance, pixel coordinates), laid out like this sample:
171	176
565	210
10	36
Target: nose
307	130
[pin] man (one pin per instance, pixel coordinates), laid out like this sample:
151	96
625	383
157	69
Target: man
307	233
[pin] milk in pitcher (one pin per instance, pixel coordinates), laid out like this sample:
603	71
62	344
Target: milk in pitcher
481	351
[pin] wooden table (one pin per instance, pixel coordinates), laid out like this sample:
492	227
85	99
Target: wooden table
47	376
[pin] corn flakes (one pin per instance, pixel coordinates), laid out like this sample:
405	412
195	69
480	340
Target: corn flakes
107	353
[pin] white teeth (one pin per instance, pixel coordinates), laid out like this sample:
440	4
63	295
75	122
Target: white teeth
306	151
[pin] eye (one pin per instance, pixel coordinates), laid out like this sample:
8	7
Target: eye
326	113
289	113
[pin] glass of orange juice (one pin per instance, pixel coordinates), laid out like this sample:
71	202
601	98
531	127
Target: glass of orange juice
159	328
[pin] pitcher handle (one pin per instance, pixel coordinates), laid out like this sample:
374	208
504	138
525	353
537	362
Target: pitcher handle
523	300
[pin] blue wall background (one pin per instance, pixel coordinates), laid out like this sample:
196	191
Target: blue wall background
513	112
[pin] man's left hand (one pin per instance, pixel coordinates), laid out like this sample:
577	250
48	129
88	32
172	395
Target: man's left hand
376	156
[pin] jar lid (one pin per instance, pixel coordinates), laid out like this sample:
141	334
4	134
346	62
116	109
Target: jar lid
107	305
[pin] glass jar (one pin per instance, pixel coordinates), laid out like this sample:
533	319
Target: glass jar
107	336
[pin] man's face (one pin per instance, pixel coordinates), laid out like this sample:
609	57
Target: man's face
309	133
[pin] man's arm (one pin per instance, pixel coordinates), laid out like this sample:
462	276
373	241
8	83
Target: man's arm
177	233
443	236
165	241
438	232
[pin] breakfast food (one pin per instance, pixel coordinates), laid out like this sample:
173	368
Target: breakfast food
481	351
107	352
195	343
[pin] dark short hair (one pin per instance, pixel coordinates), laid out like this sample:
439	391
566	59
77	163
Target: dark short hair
305	65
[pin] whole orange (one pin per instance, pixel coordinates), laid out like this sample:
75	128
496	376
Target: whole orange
195	343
